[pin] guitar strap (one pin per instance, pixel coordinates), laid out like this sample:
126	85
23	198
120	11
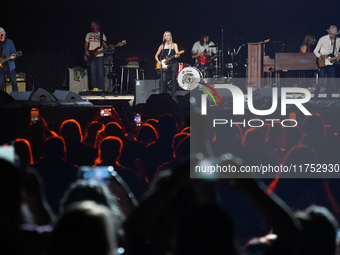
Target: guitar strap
3	53
162	52
101	39
336	61
170	49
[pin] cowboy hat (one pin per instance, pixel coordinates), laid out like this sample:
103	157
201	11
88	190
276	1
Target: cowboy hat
333	30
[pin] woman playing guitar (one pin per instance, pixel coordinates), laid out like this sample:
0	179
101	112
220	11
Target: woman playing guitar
167	50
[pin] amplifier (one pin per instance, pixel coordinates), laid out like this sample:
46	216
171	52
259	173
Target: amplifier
21	86
19	76
77	82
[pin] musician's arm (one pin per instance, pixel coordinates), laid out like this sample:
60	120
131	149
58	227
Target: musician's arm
337	48
12	50
194	51
176	50
303	49
86	47
157	53
317	51
105	45
195	55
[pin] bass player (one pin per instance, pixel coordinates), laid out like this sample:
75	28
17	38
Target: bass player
93	40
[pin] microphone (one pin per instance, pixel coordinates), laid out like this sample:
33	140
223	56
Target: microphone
2	35
164	41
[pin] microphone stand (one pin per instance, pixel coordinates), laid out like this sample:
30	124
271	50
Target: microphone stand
161	78
222	48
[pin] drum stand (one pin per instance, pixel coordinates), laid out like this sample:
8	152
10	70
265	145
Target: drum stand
230	73
218	64
110	75
220	53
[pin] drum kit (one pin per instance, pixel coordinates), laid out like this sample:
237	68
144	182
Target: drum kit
188	76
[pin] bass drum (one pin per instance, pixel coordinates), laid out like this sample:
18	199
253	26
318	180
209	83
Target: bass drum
189	78
180	67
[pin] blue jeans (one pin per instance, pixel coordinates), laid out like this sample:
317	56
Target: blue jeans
330	70
97	73
11	76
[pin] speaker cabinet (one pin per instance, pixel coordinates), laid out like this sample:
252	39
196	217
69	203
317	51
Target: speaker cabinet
78	80
21	86
144	89
67	96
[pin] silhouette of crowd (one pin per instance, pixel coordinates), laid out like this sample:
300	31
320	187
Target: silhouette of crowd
149	204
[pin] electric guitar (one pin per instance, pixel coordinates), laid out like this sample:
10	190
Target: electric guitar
165	61
97	51
2	61
320	62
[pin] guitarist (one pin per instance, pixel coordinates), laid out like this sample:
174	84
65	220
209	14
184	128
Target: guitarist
327	45
7	49
167	50
93	40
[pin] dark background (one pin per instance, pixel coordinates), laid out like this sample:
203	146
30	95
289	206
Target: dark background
51	33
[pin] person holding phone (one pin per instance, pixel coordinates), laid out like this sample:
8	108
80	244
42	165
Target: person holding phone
7	50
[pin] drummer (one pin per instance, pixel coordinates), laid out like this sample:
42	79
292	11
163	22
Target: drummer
202	51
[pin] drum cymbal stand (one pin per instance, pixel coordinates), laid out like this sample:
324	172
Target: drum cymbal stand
218	62
112	74
230	65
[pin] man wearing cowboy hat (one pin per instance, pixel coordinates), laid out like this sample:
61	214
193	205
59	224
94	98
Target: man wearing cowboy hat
327	45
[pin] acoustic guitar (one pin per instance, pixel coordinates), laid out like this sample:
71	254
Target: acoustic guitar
97	51
2	61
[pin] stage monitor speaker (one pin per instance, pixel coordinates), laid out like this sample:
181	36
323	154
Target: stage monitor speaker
5	97
265	93
22	95
224	94
67	96
184	101
144	89
162	103
42	95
